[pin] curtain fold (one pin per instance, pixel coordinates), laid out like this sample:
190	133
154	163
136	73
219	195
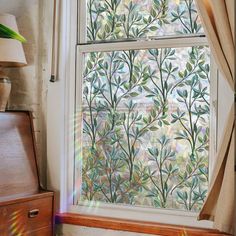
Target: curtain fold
218	21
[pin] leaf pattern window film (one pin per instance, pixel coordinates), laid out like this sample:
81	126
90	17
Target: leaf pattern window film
146	127
126	19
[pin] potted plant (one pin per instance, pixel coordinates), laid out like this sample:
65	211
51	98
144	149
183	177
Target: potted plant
6	32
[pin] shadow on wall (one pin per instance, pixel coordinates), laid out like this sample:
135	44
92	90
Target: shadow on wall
26	91
25	82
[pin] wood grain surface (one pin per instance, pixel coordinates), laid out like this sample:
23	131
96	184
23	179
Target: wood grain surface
133	226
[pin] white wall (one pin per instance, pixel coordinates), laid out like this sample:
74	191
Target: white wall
28	83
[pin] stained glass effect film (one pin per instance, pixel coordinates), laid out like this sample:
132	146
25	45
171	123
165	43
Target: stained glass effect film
124	19
146	127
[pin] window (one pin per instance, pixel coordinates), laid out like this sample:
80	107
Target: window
143	106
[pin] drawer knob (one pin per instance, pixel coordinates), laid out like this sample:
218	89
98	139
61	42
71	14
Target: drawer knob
33	213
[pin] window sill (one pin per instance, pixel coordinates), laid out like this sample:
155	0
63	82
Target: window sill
133	226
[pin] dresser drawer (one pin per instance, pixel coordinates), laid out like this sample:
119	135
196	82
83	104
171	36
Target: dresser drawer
44	216
21	218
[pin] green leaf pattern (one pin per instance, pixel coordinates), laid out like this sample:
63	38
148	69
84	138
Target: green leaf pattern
145	112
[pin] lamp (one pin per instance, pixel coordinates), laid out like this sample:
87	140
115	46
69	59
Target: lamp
11	55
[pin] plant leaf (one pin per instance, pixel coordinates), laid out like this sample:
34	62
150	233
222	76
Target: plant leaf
6	32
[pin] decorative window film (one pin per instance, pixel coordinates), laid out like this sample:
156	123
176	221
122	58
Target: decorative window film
146	127
125	19
144	113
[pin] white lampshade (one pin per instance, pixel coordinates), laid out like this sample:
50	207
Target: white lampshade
11	50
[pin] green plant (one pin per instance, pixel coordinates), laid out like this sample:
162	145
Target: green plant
6	32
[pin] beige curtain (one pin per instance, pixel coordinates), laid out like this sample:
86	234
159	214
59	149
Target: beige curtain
218	21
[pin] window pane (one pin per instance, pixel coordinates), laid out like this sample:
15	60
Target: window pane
146	127
124	19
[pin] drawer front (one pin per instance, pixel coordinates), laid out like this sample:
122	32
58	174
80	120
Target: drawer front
19	219
40	213
13	219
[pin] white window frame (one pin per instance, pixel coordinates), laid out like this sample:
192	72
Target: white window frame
61	164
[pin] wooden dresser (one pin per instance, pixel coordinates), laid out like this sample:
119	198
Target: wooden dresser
25	208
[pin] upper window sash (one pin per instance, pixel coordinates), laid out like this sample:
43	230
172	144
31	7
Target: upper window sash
106	20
